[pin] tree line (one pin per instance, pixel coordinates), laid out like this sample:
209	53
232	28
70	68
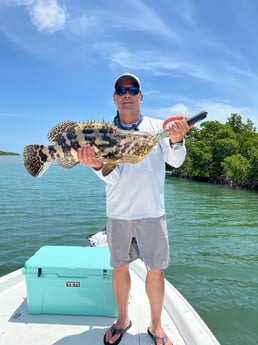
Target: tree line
222	153
4	153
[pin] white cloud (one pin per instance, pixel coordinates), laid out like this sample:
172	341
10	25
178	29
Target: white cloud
221	111
118	55
48	15
217	110
85	24
145	19
165	112
109	21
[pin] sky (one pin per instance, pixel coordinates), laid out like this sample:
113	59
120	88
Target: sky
59	60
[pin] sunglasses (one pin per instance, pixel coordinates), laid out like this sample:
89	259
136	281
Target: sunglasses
133	90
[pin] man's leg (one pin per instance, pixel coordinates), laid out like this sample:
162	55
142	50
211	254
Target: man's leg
155	287
121	286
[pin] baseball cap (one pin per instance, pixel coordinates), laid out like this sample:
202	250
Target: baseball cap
130	76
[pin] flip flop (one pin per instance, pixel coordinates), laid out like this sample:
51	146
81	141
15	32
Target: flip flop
158	340
115	331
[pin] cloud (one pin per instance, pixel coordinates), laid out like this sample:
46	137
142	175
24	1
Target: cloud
221	111
146	19
217	110
48	15
107	20
85	24
118	55
165	112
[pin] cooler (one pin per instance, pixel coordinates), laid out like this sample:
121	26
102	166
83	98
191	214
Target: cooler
70	280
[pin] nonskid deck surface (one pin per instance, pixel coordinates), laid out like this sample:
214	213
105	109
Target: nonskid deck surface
17	326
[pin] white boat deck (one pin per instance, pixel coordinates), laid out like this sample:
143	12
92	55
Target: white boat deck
17	326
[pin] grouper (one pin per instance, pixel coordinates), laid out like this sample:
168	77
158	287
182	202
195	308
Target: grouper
112	145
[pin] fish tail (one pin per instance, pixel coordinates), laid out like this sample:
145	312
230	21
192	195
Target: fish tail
38	158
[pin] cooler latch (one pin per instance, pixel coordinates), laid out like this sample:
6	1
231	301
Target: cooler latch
105	275
39	272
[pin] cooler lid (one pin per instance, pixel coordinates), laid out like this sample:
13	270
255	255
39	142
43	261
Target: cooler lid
60	258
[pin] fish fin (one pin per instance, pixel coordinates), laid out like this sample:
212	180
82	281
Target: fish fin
67	162
59	129
38	158
108	168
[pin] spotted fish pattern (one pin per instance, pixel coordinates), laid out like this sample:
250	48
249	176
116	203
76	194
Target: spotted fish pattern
112	145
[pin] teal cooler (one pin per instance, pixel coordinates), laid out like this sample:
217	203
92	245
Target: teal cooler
70	280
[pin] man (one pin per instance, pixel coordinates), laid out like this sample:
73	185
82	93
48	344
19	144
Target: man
136	224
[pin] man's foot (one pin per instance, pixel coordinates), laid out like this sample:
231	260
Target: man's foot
159	340
115	334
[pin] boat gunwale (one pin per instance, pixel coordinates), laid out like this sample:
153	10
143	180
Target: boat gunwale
190	325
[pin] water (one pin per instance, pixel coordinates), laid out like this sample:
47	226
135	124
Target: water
213	233
214	254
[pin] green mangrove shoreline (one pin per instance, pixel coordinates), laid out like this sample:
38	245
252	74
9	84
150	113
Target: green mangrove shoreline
3	153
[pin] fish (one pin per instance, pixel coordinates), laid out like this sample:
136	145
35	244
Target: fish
112	145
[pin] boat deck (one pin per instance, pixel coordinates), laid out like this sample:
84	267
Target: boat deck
180	321
17	326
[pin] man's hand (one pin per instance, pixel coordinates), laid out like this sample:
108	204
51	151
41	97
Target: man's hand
178	130
87	156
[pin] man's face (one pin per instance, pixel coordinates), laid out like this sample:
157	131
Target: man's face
127	102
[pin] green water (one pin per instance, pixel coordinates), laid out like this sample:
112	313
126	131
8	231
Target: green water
213	232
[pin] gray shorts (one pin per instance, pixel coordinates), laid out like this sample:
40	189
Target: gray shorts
147	238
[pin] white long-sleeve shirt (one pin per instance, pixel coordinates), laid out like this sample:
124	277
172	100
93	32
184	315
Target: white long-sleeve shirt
136	191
